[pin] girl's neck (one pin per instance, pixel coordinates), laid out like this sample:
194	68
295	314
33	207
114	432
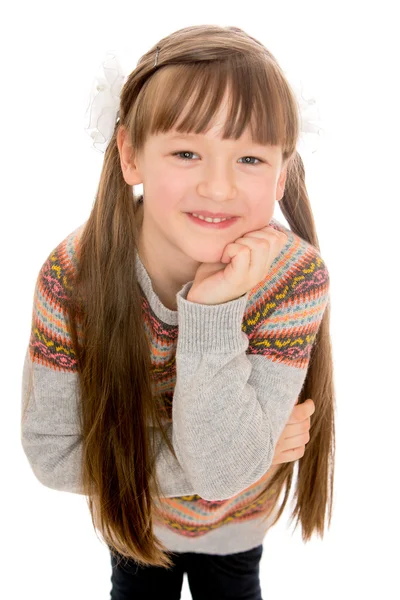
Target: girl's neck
166	282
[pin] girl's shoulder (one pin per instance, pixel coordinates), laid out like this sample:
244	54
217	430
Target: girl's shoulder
296	248
298	271
284	311
50	343
59	265
292	236
69	247
64	257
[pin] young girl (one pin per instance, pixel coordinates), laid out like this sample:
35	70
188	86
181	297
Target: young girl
167	352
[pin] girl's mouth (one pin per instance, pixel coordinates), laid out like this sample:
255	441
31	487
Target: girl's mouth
223	224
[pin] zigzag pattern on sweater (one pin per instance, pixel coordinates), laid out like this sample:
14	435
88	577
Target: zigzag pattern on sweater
281	317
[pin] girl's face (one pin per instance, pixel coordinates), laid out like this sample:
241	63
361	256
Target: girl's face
186	173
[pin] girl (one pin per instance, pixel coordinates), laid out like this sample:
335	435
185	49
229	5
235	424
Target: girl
167	352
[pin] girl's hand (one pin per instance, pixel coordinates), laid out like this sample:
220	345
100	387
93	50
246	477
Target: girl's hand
244	263
292	443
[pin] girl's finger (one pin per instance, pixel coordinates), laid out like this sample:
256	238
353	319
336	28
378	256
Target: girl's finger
239	264
296	429
231	250
294	442
258	263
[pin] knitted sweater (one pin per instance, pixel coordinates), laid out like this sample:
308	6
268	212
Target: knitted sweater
228	374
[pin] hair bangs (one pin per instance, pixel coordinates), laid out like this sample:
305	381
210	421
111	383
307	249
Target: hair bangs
187	98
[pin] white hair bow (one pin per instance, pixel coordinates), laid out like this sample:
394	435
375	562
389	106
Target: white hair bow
103	109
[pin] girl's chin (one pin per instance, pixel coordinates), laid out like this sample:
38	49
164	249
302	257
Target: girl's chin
206	256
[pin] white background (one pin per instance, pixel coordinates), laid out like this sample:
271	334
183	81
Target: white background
346	54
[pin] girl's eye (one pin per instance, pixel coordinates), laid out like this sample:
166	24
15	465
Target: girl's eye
251	157
188	152
183	152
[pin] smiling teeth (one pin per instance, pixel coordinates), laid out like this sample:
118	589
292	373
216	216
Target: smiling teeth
209	219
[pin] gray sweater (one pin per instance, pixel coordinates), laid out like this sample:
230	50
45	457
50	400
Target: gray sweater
240	367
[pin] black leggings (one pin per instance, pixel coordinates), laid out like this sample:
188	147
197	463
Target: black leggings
210	577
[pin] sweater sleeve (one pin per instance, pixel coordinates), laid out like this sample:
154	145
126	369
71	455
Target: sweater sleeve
50	434
235	390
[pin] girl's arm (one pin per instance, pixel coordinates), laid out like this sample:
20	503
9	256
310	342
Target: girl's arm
50	433
231	406
52	442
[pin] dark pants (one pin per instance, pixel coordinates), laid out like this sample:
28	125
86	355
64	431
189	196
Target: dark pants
210	577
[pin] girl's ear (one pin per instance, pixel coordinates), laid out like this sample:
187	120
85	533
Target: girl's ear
129	165
280	187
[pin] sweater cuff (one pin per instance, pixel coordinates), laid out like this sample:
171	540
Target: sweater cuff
210	327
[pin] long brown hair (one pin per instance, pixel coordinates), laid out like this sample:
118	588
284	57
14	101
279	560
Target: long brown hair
114	360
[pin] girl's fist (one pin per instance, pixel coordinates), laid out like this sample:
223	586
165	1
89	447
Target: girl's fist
244	263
